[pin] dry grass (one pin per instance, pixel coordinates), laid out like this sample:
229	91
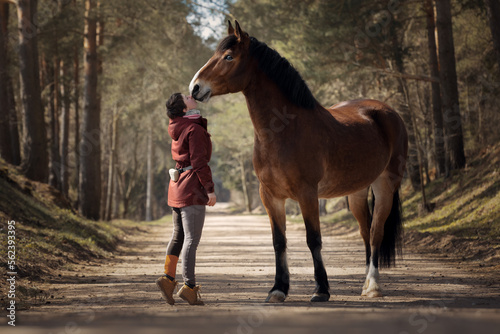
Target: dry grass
467	203
49	234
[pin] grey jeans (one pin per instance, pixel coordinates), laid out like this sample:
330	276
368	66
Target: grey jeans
188	225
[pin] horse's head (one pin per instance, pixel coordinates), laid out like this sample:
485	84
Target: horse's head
226	71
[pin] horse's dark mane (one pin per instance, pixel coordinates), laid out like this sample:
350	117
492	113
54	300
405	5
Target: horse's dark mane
278	69
283	74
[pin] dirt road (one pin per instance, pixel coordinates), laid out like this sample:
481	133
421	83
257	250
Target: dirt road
236	269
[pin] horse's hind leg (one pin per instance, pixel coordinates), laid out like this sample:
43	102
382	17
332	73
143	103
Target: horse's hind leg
384	192
310	211
276	210
358	205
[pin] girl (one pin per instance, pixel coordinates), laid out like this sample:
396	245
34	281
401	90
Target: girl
190	189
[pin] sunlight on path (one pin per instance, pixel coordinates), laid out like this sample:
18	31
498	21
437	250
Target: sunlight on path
235	266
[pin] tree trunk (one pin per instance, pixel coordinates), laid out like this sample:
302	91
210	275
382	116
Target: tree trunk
13	125
90	146
436	90
322	207
35	162
132	179
149	190
244	186
66	99
117	190
5	137
9	133
111	168
411	115
55	106
404	110
99	43
76	83
494	16
449	86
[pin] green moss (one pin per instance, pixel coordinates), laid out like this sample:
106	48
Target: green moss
467	203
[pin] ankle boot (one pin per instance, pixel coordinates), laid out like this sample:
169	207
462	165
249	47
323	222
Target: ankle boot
192	296
166	287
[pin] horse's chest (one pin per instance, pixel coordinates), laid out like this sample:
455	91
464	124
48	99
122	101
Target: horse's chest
278	173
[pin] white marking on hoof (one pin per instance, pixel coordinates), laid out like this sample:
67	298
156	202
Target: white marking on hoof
276	296
371	288
374	294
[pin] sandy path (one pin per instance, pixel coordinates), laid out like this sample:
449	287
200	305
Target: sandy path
236	270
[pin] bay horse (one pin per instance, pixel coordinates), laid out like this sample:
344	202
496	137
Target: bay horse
304	152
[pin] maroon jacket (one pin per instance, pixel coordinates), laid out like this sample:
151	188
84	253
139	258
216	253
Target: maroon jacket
191	146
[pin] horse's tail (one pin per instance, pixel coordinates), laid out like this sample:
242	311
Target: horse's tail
392	242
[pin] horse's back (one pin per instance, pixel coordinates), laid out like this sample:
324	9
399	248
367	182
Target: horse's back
364	108
369	112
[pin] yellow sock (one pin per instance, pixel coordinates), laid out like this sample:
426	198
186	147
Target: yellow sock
171	265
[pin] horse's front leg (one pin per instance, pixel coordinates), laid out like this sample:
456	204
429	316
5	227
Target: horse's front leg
276	210
310	212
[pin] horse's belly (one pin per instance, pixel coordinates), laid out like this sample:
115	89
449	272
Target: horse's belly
338	189
343	182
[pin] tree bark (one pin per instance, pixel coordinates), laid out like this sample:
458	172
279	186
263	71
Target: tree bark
55	158
149	190
76	83
90	145
404	110
244	185
13	125
99	43
117	191
9	133
5	137
322	207
111	168
411	115
35	162
494	16
449	87
436	90
64	146
126	192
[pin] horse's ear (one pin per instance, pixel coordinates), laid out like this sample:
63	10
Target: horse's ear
240	33
230	29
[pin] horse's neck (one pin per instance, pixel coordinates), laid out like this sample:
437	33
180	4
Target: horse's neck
271	112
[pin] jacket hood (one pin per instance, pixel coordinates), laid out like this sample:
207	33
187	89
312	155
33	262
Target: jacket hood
177	125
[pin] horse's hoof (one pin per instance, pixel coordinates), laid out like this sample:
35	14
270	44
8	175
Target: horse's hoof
373	294
275	296
320	297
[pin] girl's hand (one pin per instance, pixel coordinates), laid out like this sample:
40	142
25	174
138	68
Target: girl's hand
212	199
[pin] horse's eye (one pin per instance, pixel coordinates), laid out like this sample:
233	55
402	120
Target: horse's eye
228	57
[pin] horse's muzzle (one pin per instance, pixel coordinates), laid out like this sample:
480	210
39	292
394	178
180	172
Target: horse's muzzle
195	91
202	95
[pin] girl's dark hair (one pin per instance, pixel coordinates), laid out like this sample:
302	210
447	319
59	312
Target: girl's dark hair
175	106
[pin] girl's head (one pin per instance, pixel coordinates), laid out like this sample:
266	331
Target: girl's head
175	106
178	104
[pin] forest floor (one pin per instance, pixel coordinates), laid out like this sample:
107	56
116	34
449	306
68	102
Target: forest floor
424	293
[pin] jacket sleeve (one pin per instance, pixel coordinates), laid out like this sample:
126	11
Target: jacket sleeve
199	154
